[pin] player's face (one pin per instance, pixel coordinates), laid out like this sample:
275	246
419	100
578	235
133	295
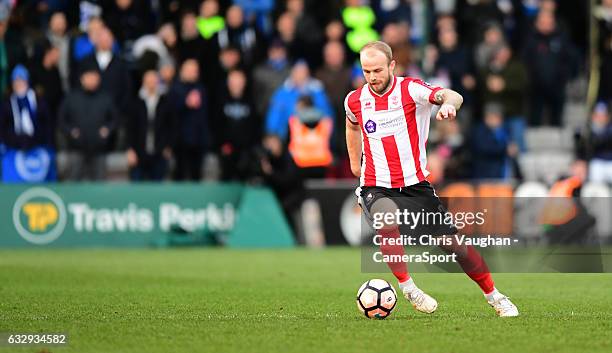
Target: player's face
377	70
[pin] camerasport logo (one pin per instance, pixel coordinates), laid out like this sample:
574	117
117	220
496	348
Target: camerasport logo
39	216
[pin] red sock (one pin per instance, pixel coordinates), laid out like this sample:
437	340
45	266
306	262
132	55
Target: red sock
476	268
400	268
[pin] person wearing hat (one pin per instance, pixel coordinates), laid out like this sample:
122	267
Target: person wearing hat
88	118
25	121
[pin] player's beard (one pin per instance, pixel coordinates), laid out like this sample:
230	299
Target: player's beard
385	86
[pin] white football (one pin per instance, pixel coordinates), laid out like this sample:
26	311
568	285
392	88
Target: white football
376	299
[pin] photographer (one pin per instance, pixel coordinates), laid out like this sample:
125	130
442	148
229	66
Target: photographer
279	172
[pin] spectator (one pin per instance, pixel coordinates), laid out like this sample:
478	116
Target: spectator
58	37
151	131
189	101
229	59
504	80
360	20
456	61
280	173
12	50
88	118
269	76
258	12
191	43
491	146
167	33
284	100
310	134
209	22
26	134
128	20
392	11
473	14
241	35
25	122
604	14
335	31
167	73
235	116
307	32
595	144
160	47
84	44
286	28
336	78
548	56
115	78
357	78
46	77
452	152
397	35
493	40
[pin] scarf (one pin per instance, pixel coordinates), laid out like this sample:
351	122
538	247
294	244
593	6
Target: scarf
24	113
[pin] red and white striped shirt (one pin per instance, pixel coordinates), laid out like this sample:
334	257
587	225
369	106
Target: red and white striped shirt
395	128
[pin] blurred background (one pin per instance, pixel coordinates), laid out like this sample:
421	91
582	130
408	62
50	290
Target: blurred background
252	92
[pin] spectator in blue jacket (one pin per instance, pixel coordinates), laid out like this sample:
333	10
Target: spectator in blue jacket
285	99
259	12
491	147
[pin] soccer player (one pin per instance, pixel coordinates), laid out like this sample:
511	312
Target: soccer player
387	127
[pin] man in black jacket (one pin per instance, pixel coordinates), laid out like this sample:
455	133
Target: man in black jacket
193	139
151	131
550	60
235	116
88	118
115	77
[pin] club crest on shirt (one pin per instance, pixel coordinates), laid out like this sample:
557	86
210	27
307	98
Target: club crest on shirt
395	101
370	126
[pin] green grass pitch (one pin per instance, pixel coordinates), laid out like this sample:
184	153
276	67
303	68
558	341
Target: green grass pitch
214	300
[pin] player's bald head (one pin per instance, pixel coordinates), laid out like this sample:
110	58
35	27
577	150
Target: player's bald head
377	65
376	50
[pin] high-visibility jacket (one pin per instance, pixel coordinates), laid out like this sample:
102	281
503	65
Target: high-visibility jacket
560	207
208	27
360	21
309	147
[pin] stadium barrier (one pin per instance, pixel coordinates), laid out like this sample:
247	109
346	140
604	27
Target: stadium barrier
141	215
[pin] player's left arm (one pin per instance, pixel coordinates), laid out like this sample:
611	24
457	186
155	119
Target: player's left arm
450	102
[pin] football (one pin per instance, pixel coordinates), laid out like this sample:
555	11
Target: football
376	299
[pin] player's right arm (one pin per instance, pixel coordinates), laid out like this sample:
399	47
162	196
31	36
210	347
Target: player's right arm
353	146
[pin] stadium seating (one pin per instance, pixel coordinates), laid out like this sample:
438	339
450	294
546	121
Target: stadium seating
597	199
546	167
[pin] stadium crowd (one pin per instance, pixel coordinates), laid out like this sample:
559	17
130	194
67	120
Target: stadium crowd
260	84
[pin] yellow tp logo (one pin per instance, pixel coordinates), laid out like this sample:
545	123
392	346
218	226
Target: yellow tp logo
40	215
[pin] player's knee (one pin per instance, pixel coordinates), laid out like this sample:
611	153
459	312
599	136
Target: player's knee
384	215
